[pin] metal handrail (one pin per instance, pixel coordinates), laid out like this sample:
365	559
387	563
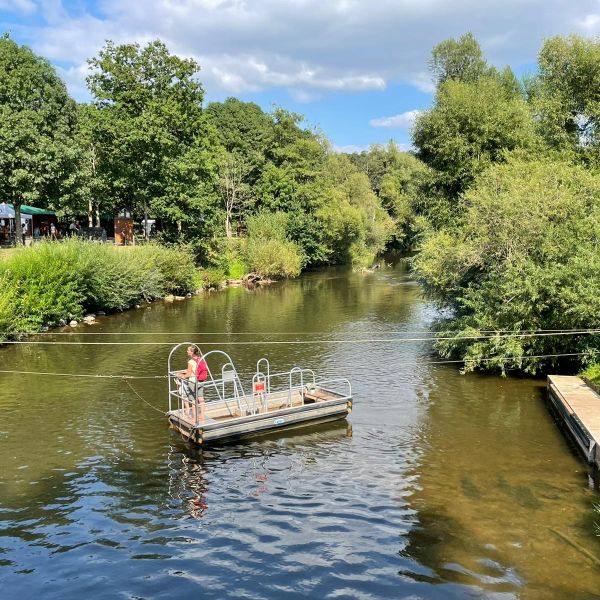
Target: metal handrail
268	375
229	374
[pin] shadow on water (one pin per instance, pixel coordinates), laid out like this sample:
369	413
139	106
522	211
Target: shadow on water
190	465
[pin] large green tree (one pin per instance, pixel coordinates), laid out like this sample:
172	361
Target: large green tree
37	120
156	132
461	60
566	96
243	128
469	127
523	256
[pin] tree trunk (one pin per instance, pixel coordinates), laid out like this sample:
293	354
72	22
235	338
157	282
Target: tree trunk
97	216
90	213
145	220
228	226
18	229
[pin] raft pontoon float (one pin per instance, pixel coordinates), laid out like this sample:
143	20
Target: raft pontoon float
288	399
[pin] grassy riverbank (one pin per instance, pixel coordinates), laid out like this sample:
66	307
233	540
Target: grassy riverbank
53	282
592	375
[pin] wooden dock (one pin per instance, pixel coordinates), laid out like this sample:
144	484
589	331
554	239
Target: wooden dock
578	407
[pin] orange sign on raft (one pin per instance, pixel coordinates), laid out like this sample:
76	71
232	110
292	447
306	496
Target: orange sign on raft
259	387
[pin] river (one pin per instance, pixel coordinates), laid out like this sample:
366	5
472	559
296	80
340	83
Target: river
440	485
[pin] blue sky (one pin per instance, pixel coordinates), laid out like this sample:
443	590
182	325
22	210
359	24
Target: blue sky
356	69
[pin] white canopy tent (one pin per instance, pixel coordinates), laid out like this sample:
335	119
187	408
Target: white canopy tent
6	212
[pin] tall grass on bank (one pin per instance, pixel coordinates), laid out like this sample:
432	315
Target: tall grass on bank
49	282
269	252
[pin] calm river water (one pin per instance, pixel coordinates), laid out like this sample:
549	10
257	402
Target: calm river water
440	485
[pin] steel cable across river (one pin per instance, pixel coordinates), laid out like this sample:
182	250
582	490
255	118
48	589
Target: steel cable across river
438	486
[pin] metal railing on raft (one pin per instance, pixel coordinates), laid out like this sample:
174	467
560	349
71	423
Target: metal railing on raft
228	389
229	379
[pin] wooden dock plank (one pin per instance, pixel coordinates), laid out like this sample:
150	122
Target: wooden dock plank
580	412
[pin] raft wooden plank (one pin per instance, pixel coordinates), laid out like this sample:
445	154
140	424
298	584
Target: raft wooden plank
267	422
581	411
272	420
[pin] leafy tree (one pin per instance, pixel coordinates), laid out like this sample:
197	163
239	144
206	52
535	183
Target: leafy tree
566	96
469	127
37	120
524	256
154	125
356	226
243	128
234	189
399	179
460	60
87	189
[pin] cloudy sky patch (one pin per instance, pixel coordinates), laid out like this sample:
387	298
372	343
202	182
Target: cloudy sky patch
404	120
340	62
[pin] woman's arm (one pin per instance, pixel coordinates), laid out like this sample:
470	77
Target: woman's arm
188	372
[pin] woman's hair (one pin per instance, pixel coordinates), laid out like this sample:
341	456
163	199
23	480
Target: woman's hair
195	350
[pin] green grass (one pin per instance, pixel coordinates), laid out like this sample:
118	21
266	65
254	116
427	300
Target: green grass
592	374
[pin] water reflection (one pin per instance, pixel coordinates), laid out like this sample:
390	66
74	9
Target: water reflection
492	473
189	467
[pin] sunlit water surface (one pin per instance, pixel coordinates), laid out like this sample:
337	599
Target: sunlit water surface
440	485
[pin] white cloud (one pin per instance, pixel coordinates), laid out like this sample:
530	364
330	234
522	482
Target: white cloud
591	23
308	47
20	6
401	121
423	82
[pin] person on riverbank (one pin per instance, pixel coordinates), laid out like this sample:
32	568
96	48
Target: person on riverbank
192	382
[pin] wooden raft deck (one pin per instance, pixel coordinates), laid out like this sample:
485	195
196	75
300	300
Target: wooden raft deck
223	423
578	407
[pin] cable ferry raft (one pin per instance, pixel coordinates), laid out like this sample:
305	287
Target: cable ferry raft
212	404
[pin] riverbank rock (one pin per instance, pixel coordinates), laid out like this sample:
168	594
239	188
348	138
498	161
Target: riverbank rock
169	298
179	297
89	319
101	313
255	279
234	282
73	323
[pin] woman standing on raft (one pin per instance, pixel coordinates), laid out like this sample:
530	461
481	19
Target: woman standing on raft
192	382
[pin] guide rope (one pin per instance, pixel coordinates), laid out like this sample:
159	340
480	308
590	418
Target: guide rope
432	334
162	412
317	341
126	378
84	375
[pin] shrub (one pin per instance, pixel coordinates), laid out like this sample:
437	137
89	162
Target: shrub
267	226
274	258
52	281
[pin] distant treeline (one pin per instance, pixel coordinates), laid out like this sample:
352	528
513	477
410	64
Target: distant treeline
248	190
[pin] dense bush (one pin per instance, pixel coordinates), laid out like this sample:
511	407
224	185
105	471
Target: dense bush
523	256
274	258
52	281
269	252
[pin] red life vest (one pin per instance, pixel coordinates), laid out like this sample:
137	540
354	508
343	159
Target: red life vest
201	369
